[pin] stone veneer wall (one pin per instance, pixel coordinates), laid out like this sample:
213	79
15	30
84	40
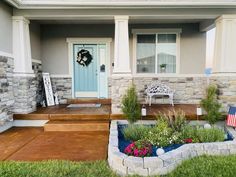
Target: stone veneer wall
63	87
227	90
37	68
188	90
118	87
24	93
6	89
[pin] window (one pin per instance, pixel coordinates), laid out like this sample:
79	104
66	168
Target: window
156	53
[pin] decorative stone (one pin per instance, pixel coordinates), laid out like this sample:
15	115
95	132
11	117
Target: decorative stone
207	126
160	151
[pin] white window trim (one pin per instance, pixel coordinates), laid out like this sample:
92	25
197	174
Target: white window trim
136	32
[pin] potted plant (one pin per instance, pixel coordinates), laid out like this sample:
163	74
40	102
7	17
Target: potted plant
163	67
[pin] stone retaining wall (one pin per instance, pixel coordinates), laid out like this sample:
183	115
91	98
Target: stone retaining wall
163	164
6	89
63	87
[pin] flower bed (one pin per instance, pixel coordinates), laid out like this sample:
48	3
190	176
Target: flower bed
128	165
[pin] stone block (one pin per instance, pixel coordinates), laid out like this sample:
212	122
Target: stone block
139	171
133	162
153	162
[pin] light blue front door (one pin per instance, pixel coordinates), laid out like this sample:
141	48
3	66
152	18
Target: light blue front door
86	77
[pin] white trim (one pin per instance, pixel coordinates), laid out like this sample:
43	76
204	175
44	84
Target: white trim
29	123
160	75
60	76
21	18
223	74
176	31
89	40
157	30
86	94
5	54
36	61
33	4
72	41
24	75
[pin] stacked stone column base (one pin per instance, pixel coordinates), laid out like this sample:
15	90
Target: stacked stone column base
6	89
24	94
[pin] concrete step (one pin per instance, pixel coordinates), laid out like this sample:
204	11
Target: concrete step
76	126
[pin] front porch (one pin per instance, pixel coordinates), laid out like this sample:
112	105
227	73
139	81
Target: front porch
76	142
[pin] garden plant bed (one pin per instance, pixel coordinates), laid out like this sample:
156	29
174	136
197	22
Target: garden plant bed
163	164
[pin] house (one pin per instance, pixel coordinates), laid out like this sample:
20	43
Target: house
128	41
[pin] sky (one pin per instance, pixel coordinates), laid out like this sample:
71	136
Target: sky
210	48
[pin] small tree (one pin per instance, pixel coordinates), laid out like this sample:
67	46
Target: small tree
130	105
211	105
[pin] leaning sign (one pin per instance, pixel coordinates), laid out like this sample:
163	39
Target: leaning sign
48	89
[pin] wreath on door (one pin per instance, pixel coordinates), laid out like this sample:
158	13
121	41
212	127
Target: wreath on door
84	58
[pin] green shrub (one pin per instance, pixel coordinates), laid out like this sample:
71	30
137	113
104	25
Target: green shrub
190	132
203	135
162	135
175	119
136	132
210	135
130	105
211	105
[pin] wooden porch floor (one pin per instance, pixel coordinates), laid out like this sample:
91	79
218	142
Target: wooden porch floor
61	112
33	144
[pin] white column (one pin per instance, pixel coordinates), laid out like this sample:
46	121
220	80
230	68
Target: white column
122	59
21	45
225	45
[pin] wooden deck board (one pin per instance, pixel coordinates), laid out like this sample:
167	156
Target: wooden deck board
61	112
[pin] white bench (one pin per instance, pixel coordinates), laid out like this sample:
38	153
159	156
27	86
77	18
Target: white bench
159	89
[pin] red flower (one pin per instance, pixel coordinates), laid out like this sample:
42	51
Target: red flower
188	140
139	149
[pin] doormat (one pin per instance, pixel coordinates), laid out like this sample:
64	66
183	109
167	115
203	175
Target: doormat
91	105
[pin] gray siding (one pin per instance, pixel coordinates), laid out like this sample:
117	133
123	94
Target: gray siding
55	48
35	40
5	27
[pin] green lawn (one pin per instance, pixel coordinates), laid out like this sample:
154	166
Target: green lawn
205	166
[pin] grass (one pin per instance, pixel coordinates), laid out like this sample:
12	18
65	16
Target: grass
212	166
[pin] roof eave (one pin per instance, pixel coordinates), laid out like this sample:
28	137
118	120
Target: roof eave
113	4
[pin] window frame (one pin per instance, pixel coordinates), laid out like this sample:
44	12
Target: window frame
155	32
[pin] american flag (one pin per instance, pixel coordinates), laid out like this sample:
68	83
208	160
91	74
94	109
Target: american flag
231	118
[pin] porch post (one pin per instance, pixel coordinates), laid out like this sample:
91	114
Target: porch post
122	59
225	42
121	77
21	45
